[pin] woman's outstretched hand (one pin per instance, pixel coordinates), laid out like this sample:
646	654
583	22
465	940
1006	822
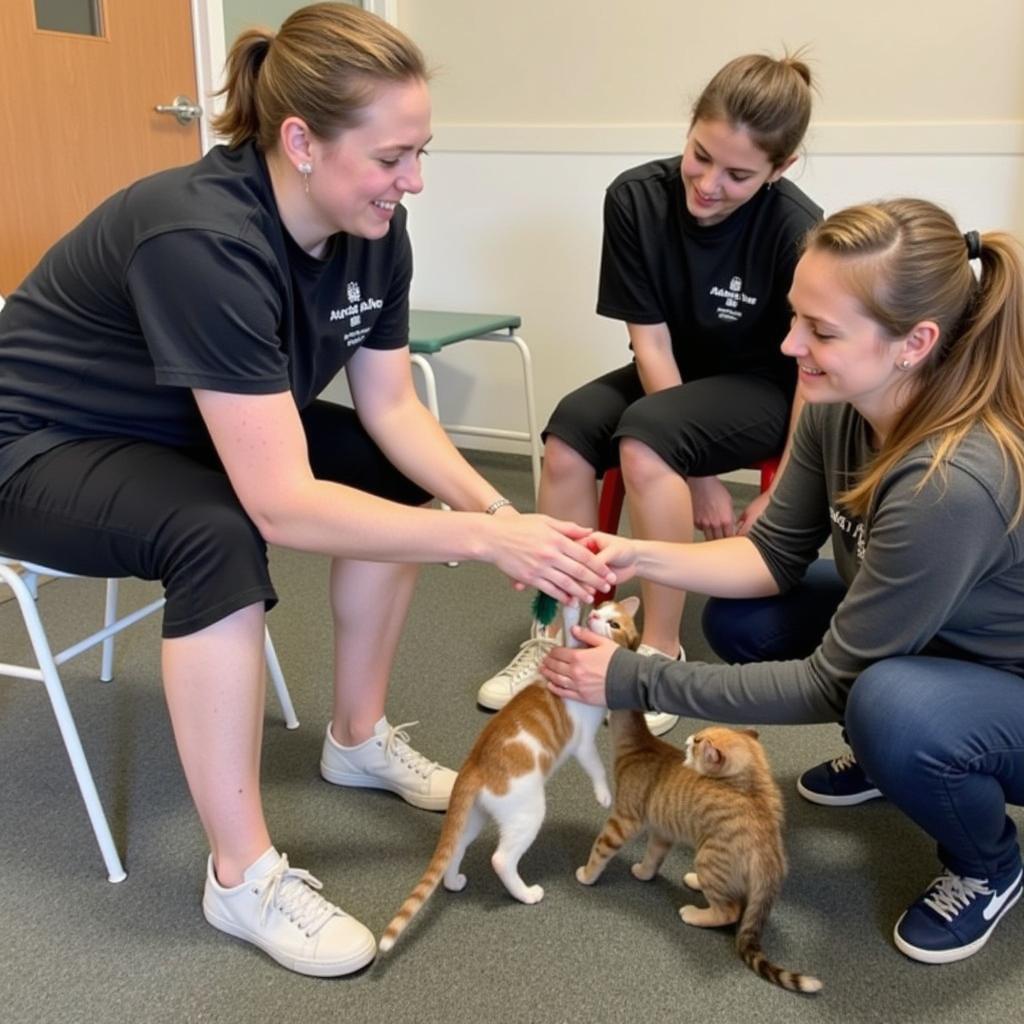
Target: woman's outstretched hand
548	554
579	673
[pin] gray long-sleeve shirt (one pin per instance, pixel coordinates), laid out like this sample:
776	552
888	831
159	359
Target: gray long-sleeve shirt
937	567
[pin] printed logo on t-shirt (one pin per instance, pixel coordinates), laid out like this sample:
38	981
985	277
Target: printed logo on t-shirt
355	331
734	299
850	532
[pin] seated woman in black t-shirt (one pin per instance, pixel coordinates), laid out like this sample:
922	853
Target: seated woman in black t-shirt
697	260
158	418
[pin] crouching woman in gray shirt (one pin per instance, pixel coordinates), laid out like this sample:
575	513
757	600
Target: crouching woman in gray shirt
910	455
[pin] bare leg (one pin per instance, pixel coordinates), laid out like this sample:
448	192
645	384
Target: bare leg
659	509
654	857
617	830
568	484
370	601
214	685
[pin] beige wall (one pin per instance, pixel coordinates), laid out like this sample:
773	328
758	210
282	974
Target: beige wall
540	103
586	61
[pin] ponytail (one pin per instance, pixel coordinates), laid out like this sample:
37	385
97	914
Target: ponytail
909	262
323	65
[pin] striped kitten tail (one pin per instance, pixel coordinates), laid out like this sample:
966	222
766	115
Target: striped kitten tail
464	794
748	943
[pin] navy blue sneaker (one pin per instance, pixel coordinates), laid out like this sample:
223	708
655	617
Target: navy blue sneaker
840	782
955	917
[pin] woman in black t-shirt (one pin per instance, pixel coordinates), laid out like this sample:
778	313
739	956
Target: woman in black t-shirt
158	375
698	257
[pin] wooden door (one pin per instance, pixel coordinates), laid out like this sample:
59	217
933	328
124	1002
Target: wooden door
77	117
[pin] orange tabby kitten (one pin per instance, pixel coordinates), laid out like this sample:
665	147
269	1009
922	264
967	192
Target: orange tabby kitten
505	773
723	802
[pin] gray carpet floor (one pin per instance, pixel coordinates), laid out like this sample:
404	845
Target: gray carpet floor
76	948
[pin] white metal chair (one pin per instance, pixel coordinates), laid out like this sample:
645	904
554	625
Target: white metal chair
431	331
22	578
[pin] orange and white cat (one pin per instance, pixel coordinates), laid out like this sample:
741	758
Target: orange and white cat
722	801
505	773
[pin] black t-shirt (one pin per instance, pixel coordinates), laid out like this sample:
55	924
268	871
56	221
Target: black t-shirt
720	289
187	279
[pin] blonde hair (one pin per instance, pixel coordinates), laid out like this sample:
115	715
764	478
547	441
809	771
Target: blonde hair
907	263
322	65
770	98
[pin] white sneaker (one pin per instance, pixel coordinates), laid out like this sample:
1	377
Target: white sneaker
277	909
522	670
386	761
660	722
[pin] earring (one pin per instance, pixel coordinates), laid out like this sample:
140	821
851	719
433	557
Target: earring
905	365
305	169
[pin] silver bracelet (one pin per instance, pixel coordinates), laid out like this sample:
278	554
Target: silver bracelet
496	504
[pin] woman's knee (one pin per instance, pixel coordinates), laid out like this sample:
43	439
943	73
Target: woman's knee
212	560
641	465
561	460
887	716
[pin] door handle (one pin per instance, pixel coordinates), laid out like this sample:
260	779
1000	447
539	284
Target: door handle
183	109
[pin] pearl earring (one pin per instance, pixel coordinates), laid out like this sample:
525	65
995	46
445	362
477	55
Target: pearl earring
305	169
905	365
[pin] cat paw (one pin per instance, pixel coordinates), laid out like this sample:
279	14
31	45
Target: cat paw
690	879
532	894
690	914
604	795
456	884
582	875
644	874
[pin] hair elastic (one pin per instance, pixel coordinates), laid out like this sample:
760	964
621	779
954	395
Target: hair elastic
973	241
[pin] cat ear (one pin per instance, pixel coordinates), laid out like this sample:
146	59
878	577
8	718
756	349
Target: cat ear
630	605
753	733
710	754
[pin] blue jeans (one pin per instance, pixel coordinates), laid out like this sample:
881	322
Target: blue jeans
943	739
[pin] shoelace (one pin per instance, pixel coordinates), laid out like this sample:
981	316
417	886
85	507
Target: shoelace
397	743
954	893
531	653
291	890
843	762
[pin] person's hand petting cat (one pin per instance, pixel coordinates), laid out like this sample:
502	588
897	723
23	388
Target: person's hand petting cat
579	673
544	553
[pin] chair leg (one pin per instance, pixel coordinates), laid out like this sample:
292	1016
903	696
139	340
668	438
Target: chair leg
429	382
531	411
66	724
609	509
280	686
109	617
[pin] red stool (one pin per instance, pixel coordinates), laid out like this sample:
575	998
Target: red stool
613	494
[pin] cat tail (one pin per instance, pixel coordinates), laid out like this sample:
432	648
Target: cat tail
464	794
629	731
748	943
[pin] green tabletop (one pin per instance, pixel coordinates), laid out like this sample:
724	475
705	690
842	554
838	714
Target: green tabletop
430	331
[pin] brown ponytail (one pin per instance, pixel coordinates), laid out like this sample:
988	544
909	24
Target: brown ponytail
770	98
908	262
322	65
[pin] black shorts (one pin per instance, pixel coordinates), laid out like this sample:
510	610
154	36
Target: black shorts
701	428
122	507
